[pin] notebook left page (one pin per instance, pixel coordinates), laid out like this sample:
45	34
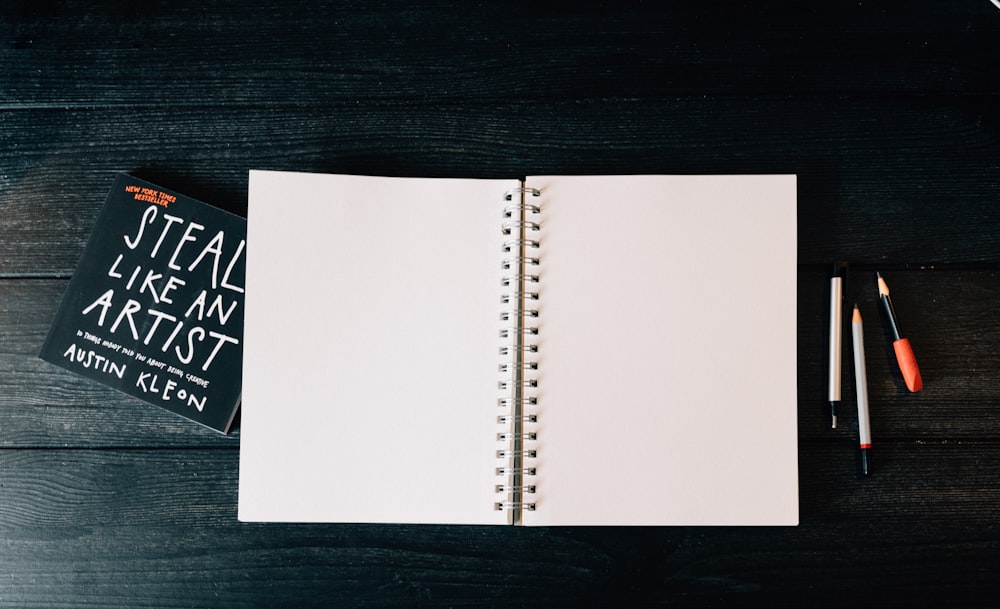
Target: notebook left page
370	349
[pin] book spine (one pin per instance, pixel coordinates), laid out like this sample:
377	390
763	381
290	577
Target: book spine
519	354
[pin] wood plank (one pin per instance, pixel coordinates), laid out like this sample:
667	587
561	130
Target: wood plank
855	200
952	330
198	486
237	53
42	405
941	311
886	110
125	528
392	566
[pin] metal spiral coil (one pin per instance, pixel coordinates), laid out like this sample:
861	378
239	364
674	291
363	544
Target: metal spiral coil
518	366
517	402
514	505
517	262
509	315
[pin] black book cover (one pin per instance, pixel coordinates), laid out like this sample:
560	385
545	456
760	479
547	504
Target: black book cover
155	308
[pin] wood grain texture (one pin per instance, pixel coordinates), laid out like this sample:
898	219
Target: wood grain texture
874	175
947	318
942	313
237	53
198	486
115	528
886	111
389	566
42	405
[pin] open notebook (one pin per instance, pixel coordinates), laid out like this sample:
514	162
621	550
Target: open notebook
563	350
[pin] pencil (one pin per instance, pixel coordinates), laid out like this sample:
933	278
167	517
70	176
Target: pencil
904	351
861	381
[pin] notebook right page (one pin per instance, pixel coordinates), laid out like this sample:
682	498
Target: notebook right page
667	348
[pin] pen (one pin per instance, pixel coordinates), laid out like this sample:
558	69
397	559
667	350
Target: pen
904	352
836	315
861	380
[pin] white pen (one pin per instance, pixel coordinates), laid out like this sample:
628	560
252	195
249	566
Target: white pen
836	314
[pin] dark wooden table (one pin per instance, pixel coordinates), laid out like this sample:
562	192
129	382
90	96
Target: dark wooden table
889	112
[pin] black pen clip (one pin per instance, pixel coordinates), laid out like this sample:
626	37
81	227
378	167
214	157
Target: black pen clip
840	269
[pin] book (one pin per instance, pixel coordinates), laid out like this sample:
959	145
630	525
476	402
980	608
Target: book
155	306
557	350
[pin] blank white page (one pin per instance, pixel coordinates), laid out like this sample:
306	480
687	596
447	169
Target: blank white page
370	364
667	349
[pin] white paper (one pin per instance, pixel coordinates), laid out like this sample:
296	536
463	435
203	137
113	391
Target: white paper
667	387
370	369
667	350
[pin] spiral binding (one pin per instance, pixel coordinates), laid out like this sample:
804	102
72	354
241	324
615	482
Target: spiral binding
518	364
518	402
508	418
504	453
508	367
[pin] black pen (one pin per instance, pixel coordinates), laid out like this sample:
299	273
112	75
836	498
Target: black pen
836	315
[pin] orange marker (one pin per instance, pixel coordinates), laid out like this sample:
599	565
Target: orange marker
904	352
